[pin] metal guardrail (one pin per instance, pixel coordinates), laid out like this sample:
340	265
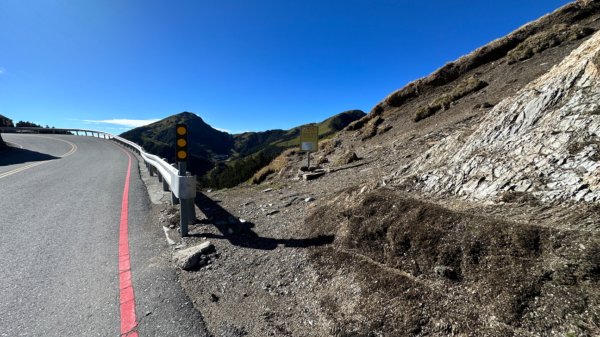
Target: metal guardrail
183	188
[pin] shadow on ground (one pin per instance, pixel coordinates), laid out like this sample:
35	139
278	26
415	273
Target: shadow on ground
12	156
241	233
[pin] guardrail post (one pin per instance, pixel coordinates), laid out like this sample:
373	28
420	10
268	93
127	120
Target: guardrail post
184	213
192	207
160	178
151	170
165	186
174	199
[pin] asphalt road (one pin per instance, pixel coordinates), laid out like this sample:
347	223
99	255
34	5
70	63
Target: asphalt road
60	210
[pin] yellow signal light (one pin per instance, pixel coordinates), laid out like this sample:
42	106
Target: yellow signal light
181	142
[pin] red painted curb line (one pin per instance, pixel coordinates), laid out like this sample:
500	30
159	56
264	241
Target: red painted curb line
126	295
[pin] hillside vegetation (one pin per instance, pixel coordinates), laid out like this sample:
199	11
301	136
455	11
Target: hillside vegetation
254	155
223	160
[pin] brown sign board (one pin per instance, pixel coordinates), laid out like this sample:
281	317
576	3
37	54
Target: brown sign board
309	138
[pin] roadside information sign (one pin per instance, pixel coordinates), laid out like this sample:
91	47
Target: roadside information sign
309	138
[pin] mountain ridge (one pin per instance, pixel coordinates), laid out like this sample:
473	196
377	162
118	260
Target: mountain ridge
221	159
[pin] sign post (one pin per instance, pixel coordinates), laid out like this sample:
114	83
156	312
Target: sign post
182	156
309	141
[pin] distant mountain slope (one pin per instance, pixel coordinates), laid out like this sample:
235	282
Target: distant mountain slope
221	159
255	150
204	141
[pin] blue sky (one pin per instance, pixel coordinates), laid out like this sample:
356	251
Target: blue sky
241	65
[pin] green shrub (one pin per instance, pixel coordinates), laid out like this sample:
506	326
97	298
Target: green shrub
230	174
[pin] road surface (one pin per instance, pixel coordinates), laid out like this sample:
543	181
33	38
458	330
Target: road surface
61	261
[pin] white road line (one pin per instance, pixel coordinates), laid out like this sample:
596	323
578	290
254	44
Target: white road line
28	166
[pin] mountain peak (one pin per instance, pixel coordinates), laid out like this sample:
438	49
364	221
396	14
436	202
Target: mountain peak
185	116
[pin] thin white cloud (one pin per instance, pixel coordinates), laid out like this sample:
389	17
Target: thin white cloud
223	130
132	123
2	70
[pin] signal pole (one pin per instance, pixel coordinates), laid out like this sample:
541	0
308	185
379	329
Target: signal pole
182	156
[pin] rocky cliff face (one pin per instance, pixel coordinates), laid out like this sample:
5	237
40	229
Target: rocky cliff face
544	141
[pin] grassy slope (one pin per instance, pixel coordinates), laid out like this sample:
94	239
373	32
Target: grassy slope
254	154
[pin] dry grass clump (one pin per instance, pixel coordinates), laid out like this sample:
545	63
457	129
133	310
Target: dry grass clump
371	129
443	102
377	110
357	125
329	145
346	158
275	166
400	252
553	37
374	115
404	95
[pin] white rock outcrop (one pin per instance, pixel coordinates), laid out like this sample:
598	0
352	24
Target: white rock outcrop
544	140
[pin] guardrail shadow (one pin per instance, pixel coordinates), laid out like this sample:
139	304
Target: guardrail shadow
241	233
12	156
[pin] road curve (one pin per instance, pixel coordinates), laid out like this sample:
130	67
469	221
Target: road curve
60	213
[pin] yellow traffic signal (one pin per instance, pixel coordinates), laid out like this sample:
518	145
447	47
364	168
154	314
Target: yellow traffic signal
181	142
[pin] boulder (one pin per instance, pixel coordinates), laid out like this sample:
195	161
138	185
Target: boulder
191	258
